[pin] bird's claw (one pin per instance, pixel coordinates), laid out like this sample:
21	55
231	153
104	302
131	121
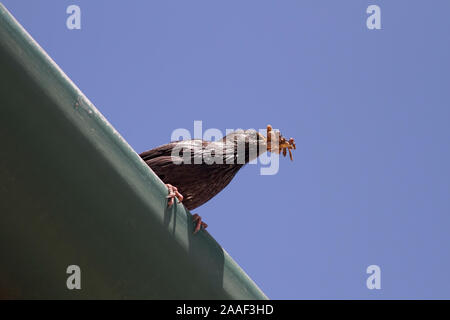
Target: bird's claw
173	193
198	223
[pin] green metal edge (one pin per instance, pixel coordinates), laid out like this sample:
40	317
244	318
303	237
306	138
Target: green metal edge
74	192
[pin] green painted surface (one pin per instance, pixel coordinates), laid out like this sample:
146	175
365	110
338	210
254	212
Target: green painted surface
73	191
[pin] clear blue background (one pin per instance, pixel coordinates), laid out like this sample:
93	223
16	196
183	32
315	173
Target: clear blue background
370	111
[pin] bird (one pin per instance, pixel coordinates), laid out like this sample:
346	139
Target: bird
194	171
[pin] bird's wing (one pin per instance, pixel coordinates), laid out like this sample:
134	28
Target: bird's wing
196	182
177	149
164	150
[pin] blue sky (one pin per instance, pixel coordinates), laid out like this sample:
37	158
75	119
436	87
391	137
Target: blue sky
369	109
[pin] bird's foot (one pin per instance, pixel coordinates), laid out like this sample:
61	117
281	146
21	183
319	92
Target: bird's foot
198	223
173	193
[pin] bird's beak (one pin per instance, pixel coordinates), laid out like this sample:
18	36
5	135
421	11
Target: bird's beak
277	143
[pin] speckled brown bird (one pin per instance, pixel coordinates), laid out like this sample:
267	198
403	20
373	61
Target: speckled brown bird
194	171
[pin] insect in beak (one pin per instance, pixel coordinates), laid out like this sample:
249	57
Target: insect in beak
283	144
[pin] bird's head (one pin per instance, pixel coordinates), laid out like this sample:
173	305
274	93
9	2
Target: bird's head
255	144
